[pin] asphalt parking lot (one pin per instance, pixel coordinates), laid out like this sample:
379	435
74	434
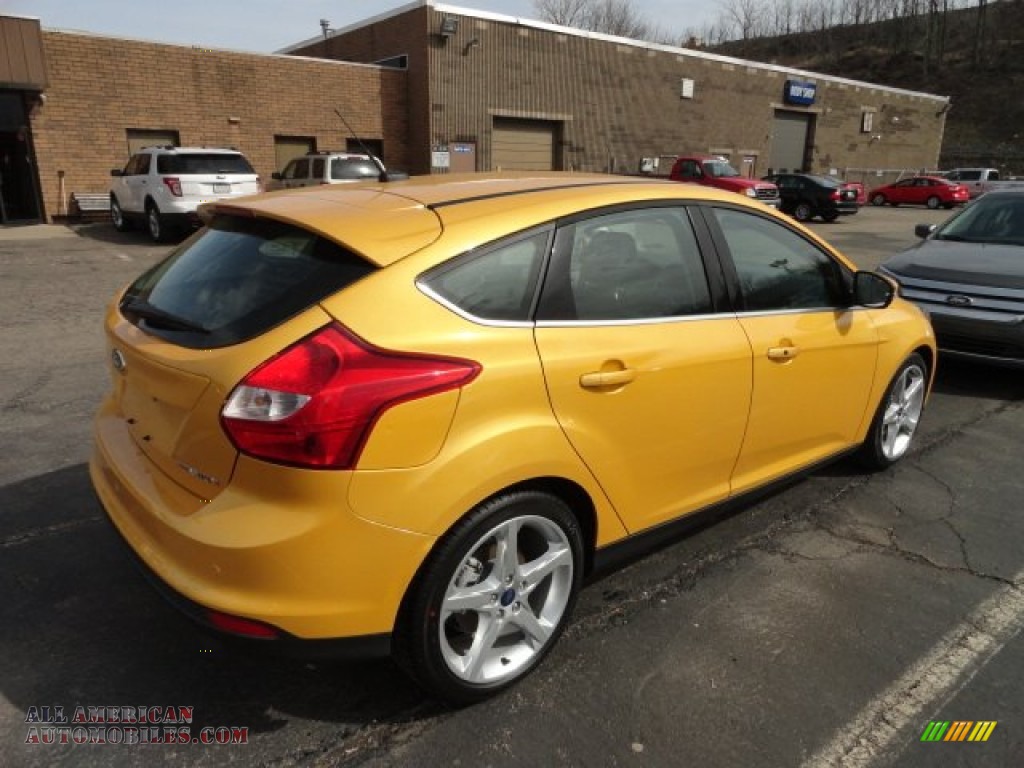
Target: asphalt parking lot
826	625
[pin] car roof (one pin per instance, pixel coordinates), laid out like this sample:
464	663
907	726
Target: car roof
469	209
192	150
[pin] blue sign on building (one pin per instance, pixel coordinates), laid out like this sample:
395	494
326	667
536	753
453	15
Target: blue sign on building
800	92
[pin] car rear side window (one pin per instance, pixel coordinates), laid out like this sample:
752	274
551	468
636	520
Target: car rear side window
201	162
631	265
343	168
236	279
496	284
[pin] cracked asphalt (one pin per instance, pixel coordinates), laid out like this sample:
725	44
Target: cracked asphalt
827	624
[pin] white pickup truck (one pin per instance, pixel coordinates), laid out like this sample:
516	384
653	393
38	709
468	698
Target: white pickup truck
981	180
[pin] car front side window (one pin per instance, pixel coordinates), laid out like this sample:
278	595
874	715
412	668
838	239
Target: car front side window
777	269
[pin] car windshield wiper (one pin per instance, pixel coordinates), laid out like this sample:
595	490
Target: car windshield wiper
953	238
160	317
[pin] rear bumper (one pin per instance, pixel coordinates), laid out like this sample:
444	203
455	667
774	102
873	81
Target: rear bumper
267	548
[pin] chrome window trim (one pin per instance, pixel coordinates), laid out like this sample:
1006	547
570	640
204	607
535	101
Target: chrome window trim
634	321
800	311
427	291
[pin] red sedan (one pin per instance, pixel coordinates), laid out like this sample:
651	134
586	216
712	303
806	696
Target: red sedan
932	191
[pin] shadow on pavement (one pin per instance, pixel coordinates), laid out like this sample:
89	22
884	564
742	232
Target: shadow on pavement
82	627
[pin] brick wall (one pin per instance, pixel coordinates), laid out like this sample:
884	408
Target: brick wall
401	35
99	87
619	102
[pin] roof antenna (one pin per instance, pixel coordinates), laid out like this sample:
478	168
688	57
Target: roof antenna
384	175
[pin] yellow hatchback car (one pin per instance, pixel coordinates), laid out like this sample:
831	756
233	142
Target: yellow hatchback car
411	417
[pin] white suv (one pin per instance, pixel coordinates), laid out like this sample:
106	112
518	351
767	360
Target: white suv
327	168
164	186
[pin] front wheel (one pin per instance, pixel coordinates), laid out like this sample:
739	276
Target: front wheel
493	598
802	212
117	216
878	200
933	202
898	415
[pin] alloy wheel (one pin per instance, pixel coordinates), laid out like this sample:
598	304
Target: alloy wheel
506	599
902	412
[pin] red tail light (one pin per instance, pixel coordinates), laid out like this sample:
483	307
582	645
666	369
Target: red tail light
314	404
173	184
835	195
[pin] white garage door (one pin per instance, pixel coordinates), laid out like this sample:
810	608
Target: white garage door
523	145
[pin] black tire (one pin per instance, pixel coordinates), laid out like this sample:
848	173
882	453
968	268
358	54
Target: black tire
933	202
948	206
803	212
830	217
882	447
155	223
117	217
878	200
446	649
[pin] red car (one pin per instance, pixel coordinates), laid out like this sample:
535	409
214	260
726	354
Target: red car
858	187
932	191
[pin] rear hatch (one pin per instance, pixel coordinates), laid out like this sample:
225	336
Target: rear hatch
210	175
188	330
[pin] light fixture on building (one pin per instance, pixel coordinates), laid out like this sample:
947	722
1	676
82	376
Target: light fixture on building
325	25
449	26
234	120
470	45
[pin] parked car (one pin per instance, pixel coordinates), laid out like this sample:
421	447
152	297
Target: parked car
968	274
806	195
932	191
164	186
981	180
327	168
859	190
714	171
415	415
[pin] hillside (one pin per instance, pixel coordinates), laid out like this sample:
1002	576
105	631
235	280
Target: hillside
974	56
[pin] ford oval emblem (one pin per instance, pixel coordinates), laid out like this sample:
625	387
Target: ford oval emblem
118	360
959	300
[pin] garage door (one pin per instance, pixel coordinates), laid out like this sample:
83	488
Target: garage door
523	145
789	140
287	148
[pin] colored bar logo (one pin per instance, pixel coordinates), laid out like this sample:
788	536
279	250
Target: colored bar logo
959	730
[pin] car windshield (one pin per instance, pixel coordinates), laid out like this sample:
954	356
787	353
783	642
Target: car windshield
211	162
236	279
995	219
720	169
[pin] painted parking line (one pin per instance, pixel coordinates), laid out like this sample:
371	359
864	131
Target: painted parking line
929	684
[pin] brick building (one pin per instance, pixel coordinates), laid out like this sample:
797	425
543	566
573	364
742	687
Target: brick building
434	88
490	91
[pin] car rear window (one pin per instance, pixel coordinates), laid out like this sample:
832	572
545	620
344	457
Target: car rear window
236	279
212	162
353	168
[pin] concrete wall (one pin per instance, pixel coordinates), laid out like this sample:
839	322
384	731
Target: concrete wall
100	86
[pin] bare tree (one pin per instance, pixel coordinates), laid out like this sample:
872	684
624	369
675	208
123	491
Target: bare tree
566	13
611	17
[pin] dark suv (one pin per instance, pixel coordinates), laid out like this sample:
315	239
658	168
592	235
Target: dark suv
806	195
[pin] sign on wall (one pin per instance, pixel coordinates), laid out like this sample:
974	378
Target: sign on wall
800	92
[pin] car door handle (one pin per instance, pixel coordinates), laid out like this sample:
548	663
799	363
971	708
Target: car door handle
783	353
599	379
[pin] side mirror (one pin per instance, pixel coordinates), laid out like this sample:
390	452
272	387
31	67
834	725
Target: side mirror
116	172
872	291
923	230
276	175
